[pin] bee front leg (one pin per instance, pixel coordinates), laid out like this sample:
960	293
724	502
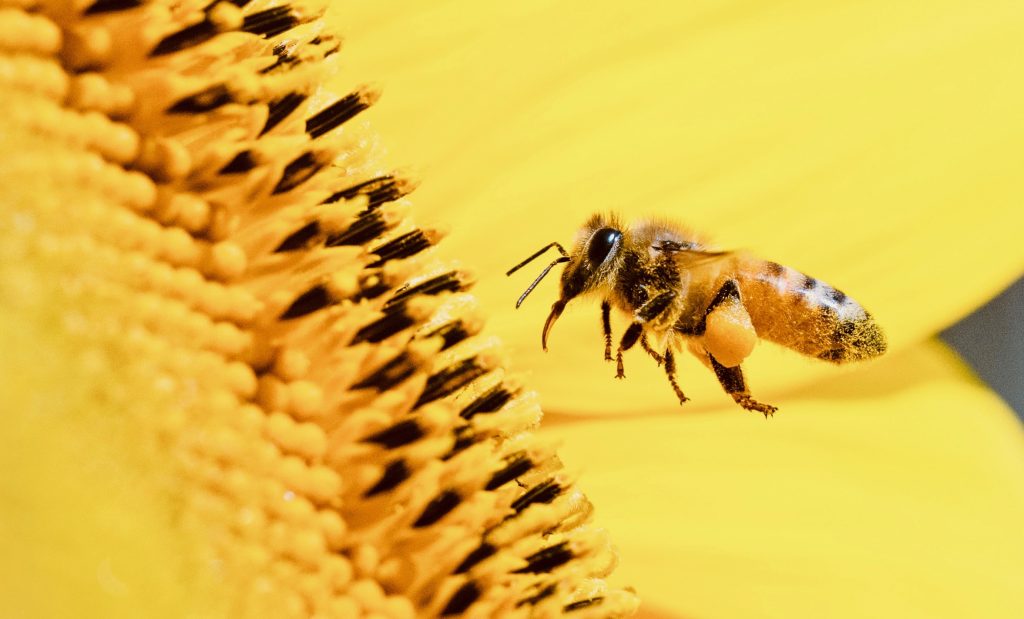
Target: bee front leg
733	383
659	359
647	312
606	324
670	371
629	338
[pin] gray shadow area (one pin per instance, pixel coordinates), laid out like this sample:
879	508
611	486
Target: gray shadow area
991	340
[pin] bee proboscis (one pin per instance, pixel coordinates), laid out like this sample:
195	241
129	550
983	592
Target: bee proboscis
676	290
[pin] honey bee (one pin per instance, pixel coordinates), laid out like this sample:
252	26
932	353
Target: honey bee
677	290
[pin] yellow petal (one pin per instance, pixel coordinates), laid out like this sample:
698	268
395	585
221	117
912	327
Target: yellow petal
869	144
896	491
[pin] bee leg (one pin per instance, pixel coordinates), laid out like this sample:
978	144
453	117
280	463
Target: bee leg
629	338
650	351
648	311
606	324
670	370
728	292
733	383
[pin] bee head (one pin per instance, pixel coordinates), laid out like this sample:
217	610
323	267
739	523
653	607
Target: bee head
590	261
588	266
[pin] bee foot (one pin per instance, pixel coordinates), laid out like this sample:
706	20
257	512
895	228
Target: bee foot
751	404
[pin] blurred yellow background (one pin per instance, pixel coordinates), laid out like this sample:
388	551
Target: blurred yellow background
876	145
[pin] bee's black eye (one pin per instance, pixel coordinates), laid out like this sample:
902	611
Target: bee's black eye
601	243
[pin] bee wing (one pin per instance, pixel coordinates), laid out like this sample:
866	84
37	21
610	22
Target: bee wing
696	258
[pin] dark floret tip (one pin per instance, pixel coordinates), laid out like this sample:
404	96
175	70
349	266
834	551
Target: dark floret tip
300	239
462	599
438	508
299	170
547	559
394	474
581	604
401	433
482	552
515	466
390	374
451	379
314	299
109	6
339	112
543	493
542	594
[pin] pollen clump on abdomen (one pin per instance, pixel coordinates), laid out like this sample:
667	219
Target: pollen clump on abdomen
204	257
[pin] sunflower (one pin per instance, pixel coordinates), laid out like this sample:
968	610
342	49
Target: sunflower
212	414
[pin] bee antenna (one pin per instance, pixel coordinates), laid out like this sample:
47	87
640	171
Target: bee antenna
536	255
558	260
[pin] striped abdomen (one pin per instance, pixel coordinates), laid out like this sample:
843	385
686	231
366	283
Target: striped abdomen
806	314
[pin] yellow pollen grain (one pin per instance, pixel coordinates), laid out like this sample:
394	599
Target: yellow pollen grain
91	91
38	76
304	439
306	399
291	364
344	285
228	260
273	393
165	160
368	594
332	527
86	46
226	16
398	607
365	560
28	33
323	484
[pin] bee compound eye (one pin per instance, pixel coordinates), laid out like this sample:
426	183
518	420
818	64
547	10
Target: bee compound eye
601	244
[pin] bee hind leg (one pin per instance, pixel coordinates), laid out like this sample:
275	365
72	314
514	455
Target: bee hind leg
670	371
726	330
733	383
